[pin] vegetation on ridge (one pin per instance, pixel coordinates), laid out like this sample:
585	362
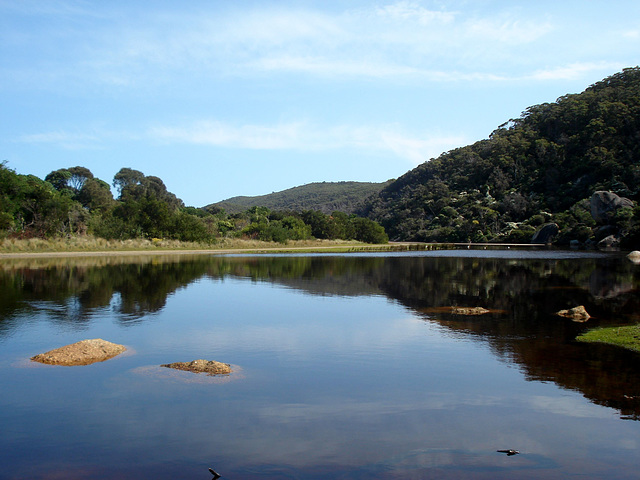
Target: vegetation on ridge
542	167
326	197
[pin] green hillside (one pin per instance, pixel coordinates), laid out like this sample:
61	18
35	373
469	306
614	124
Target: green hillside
542	167
326	197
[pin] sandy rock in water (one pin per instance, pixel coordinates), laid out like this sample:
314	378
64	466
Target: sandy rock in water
84	352
469	310
210	367
577	314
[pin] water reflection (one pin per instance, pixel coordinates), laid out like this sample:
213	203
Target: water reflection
522	290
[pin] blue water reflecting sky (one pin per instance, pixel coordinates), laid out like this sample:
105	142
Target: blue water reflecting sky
325	387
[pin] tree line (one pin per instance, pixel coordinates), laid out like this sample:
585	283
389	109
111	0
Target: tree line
72	201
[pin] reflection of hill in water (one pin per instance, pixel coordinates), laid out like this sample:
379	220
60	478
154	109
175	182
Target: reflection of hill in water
529	333
527	291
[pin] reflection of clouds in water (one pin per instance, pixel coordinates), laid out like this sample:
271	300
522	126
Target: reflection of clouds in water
570	406
309	412
295	338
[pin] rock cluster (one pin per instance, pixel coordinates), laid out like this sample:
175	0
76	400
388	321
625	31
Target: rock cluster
95	350
84	352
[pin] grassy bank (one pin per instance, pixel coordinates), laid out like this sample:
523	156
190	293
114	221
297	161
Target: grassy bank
95	244
88	244
626	337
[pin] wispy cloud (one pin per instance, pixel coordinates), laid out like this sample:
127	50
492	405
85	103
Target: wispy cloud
66	140
94	138
397	39
304	136
574	70
218	134
414	11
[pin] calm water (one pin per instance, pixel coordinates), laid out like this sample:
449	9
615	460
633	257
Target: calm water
346	367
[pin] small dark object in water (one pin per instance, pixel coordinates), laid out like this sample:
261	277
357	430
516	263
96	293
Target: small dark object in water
509	452
214	473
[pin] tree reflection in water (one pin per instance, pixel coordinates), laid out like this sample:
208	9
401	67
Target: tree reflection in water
522	291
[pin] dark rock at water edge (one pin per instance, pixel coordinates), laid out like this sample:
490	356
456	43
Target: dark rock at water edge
546	233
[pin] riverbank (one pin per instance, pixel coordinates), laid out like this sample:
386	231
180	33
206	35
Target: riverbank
86	246
92	246
627	336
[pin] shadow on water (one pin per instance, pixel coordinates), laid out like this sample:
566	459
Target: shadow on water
522	293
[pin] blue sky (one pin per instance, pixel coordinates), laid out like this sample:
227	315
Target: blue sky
222	98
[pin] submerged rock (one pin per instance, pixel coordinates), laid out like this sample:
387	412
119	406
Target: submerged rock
84	352
577	314
469	310
210	367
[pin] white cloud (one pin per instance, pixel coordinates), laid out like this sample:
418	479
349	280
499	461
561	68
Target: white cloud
304	136
67	140
213	133
396	41
415	148
508	31
574	71
401	39
414	11
94	138
335	68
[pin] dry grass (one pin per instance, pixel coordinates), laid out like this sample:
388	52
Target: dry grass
90	244
95	244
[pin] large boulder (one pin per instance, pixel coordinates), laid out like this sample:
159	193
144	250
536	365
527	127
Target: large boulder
612	241
84	352
546	233
634	256
604	205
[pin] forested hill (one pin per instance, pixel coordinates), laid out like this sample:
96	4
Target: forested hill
326	197
542	167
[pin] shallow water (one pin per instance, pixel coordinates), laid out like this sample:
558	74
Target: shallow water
345	367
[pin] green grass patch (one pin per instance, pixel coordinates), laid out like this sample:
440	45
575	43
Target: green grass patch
627	336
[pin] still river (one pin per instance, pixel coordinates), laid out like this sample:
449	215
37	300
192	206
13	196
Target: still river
345	367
